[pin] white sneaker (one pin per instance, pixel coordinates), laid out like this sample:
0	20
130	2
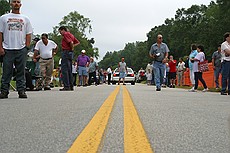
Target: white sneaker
192	90
205	90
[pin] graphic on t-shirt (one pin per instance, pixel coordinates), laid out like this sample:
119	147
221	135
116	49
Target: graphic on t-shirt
15	24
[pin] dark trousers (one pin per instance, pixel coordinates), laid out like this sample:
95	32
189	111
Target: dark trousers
217	73
18	59
198	76
109	78
225	76
66	68
93	74
74	79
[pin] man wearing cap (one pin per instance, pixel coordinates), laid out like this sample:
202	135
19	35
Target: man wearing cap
82	63
68	44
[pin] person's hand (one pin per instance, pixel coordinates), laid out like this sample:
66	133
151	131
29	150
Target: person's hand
2	51
164	60
35	60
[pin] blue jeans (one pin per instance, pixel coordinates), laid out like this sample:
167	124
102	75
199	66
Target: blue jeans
217	72
18	59
66	68
159	71
225	76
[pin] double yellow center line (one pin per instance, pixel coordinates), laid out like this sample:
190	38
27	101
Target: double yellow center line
135	139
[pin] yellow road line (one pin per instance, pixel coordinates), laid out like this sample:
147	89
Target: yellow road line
135	139
90	138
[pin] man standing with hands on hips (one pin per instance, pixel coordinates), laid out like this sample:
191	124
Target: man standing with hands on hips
68	44
15	38
159	53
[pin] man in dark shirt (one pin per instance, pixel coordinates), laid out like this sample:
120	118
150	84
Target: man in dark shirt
68	44
216	63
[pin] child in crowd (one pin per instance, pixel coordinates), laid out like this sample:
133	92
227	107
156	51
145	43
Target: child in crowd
149	77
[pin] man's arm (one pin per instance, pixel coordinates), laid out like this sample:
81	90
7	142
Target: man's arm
213	63
2	52
35	55
74	43
28	40
166	57
55	51
227	51
151	55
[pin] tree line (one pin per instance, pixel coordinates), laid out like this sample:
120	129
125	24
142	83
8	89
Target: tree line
199	24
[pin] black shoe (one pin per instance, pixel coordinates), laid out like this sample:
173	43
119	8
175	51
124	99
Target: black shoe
65	89
124	84
47	88
158	89
3	95
22	94
223	93
71	88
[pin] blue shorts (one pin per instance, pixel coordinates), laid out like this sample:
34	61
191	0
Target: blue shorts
122	75
82	71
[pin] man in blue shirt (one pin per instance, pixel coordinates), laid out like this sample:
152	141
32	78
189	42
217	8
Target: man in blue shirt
159	53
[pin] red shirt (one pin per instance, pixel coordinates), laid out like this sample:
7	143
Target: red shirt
172	66
67	38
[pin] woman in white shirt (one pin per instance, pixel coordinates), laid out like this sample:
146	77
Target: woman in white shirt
200	57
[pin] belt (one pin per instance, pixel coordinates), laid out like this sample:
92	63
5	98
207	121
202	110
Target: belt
47	58
81	66
158	61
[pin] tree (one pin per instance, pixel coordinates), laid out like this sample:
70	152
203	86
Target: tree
4	7
79	26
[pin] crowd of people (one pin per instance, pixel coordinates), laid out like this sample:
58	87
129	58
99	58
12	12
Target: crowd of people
165	72
17	30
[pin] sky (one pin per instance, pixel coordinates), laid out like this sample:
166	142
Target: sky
114	22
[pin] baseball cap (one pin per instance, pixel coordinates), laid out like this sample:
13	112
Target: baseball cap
83	51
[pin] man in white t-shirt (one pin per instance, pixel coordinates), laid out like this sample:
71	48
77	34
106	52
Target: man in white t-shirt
16	30
225	51
109	71
47	48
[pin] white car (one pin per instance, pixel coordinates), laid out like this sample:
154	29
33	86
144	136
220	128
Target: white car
129	78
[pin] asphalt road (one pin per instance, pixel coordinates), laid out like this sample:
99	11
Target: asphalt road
175	120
